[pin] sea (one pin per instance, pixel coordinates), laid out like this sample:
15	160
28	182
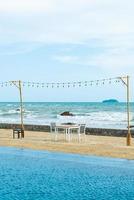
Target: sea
93	114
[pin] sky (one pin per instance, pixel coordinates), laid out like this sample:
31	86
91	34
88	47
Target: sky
65	40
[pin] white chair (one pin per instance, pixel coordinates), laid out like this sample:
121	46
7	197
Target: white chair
53	129
82	131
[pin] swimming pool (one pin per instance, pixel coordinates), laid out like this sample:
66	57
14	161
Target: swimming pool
41	175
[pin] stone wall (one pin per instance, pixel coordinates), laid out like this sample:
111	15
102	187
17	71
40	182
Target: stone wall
89	131
108	132
28	127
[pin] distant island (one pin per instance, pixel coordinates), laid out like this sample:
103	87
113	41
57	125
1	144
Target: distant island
110	101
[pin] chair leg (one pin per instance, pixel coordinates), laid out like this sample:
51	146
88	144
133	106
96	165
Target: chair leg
69	136
66	133
79	137
56	134
84	137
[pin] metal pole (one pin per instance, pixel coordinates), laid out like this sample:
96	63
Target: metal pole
128	113
21	110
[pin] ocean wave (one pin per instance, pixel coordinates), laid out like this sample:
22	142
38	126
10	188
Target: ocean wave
13	112
45	113
99	116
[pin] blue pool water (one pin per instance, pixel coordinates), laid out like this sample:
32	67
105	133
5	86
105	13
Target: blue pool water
40	175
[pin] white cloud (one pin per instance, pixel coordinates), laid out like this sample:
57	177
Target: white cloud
39	6
112	61
78	22
15	49
66	58
18	6
65	20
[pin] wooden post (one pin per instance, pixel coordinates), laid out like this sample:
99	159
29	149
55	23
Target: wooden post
128	141
21	109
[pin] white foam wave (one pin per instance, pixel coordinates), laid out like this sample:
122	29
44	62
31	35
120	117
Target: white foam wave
91	119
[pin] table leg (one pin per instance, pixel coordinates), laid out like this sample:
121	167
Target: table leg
13	135
66	132
69	138
56	136
79	136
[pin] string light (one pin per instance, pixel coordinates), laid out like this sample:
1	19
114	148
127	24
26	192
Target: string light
42	85
109	81
85	83
65	84
97	82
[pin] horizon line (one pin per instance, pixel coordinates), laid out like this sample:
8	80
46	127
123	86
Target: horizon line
61	102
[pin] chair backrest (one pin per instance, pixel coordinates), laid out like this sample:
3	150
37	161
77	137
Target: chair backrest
52	126
82	128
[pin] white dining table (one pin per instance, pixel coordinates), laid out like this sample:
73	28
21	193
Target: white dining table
68	129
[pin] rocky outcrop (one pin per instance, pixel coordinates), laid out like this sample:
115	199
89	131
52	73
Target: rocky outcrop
66	113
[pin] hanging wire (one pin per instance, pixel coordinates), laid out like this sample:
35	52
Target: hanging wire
65	84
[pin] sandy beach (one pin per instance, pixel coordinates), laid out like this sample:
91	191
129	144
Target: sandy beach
91	145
